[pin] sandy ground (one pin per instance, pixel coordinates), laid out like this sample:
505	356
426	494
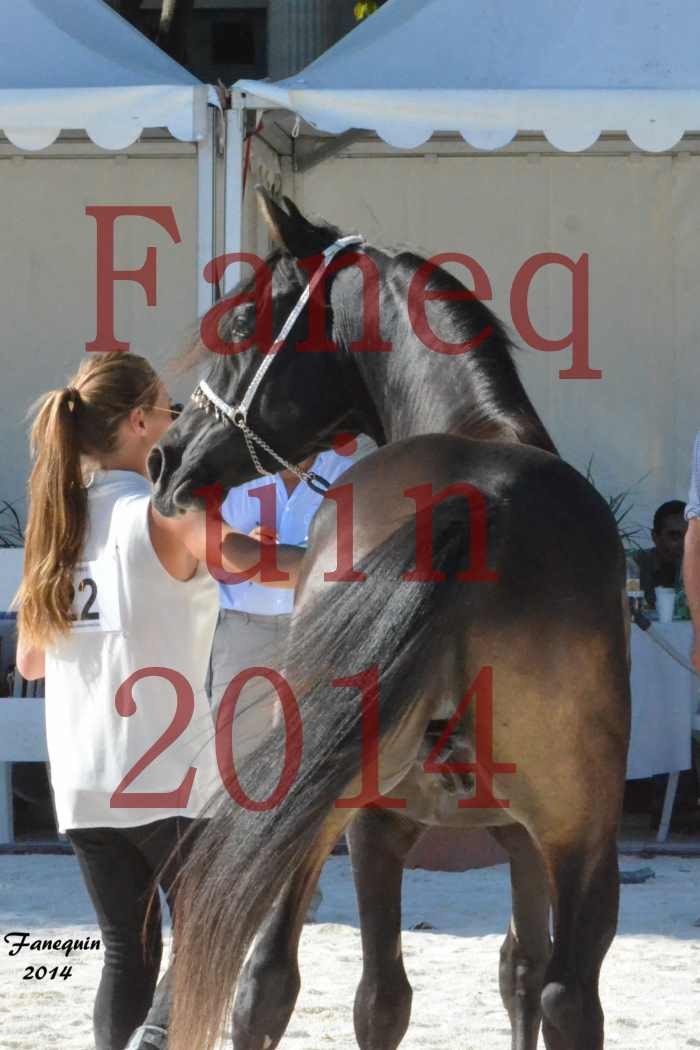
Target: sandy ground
650	985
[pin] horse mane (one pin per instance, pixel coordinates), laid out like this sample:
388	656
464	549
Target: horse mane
494	403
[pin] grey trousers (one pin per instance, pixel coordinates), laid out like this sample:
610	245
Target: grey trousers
241	641
245	640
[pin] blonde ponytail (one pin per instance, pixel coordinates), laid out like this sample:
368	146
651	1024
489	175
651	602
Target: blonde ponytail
82	419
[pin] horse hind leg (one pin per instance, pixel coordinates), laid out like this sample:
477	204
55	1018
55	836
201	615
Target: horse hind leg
586	884
527	947
379	842
269	984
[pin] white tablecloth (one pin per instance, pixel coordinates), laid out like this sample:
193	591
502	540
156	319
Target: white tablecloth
663	702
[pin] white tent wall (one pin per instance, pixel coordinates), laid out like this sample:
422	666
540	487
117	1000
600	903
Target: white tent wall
637	217
48	270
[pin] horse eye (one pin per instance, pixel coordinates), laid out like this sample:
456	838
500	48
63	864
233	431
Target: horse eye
239	326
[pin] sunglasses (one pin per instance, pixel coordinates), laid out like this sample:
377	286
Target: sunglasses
176	408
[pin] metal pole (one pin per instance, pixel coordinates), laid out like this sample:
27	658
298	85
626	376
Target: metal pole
205	213
233	208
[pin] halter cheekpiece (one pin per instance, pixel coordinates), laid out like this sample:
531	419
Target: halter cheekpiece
237	415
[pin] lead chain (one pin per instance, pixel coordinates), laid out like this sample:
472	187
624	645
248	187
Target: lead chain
252	439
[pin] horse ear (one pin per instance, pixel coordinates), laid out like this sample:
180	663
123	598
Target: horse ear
296	214
290	228
277	221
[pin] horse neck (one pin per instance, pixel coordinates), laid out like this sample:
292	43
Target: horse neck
430	409
402	394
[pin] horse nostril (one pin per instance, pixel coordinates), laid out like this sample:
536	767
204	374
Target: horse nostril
155	464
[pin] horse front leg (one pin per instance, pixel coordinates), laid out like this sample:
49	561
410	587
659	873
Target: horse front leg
527	947
379	841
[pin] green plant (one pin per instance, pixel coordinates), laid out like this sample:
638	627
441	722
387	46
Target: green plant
11	533
620	507
364	8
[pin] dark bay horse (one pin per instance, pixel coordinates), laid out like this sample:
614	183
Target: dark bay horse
537	634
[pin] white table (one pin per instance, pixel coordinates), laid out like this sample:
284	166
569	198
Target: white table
664	700
22	739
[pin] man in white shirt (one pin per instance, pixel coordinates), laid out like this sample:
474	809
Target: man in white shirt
254	619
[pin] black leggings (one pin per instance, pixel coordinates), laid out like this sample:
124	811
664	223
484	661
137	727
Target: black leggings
120	867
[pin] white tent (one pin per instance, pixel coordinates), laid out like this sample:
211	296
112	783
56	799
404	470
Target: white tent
77	65
491	68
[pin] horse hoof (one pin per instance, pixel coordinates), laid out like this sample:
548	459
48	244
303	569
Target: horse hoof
148	1037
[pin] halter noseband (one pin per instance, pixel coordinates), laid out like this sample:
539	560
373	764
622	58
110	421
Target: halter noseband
206	399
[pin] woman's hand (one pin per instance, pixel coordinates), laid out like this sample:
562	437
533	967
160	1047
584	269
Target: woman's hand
263	534
30	661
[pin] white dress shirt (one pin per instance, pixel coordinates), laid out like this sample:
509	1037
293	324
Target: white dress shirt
293	519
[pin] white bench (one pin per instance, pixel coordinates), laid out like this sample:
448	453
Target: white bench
22	739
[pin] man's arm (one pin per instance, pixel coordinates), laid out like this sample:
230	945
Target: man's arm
691	582
691	552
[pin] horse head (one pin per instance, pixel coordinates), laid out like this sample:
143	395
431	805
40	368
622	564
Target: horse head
291	397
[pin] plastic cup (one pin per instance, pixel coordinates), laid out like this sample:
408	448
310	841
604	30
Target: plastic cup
665	603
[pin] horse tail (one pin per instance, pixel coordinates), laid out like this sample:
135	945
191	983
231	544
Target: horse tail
243	859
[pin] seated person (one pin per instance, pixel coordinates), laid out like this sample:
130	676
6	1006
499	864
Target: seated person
660	565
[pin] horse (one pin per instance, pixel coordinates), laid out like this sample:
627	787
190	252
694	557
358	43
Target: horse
483	567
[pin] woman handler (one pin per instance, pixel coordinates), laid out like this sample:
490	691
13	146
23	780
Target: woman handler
117	611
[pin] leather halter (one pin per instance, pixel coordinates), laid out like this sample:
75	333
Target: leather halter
208	400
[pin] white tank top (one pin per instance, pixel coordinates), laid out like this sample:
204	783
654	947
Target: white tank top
124	757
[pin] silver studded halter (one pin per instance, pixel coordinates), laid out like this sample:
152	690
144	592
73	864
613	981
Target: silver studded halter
209	401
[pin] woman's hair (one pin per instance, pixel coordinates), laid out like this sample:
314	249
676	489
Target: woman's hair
80	420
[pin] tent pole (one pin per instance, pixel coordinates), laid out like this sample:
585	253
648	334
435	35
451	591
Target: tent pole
205	213
235	130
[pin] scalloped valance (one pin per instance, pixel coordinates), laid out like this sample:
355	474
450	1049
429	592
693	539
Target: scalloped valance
78	65
491	68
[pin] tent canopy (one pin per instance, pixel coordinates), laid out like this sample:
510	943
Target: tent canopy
491	68
77	64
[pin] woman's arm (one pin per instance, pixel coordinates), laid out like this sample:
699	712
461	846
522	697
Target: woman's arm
185	540
30	661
